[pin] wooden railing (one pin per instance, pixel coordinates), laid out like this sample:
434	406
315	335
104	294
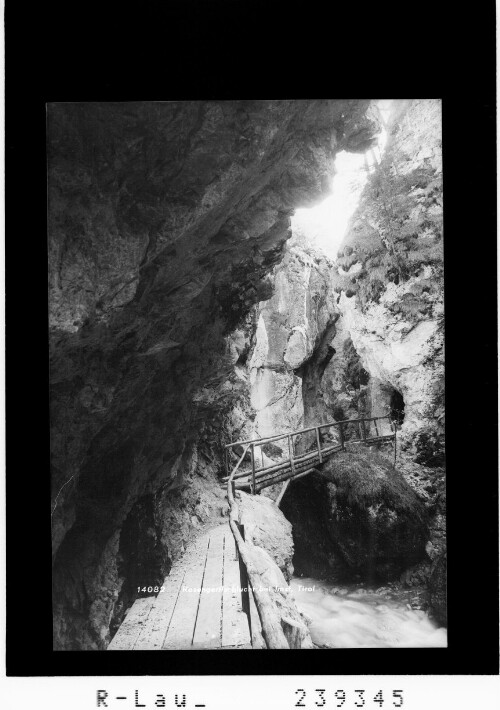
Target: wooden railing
272	631
294	467
297	465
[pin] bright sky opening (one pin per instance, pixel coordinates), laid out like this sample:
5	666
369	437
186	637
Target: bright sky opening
325	225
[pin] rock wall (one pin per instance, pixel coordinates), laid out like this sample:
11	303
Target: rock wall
294	327
165	220
374	347
266	526
391	291
181	318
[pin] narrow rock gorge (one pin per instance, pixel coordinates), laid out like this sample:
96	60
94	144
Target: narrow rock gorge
190	307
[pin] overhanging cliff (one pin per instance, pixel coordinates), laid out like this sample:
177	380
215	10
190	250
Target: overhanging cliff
164	221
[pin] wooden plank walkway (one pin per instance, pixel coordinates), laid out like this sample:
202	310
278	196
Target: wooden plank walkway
200	607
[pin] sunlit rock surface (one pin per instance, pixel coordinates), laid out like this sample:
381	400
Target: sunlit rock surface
393	303
165	220
266	526
375	349
293	327
304	369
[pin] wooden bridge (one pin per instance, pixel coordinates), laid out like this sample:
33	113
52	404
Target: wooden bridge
213	597
325	443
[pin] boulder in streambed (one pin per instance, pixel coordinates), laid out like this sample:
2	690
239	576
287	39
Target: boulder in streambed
266	526
365	516
376	520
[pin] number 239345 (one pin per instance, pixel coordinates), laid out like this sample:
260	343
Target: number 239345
321	697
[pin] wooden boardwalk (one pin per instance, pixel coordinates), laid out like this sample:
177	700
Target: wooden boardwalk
200	606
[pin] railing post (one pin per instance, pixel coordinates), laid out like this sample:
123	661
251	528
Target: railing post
319	445
252	450
363	429
376	426
290	449
342	438
395	430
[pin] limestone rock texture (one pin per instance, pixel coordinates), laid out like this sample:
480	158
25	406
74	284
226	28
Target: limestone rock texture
345	382
391	287
266	526
293	327
270	532
303	369
363	336
165	221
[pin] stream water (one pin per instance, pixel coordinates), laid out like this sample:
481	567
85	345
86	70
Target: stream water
354	617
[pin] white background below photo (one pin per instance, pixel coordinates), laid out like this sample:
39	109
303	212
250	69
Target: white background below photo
250	692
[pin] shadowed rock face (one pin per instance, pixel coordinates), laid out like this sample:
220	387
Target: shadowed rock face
369	523
164	221
315	553
437	590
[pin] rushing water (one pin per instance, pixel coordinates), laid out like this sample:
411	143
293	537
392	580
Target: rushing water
349	617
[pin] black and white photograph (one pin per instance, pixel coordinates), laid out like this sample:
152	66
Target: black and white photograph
246	319
250	316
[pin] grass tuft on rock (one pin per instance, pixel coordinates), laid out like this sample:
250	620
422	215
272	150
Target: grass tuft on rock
366	477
